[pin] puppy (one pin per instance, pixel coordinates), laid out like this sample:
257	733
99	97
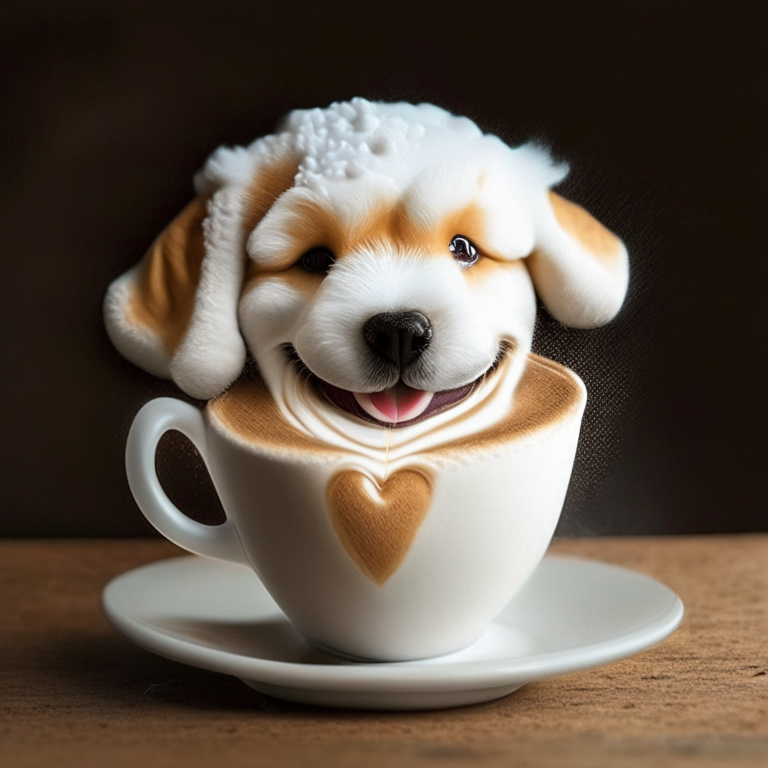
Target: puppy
380	261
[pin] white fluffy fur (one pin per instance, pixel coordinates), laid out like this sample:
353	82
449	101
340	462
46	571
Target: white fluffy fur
212	352
352	157
578	289
133	341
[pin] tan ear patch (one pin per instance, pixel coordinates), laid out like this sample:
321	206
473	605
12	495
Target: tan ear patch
584	228
268	184
163	296
377	525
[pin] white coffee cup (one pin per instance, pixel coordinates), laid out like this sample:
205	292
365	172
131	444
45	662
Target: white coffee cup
417	567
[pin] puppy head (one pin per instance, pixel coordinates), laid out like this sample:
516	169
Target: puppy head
388	251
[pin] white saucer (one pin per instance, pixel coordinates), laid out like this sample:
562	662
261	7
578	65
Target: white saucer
572	615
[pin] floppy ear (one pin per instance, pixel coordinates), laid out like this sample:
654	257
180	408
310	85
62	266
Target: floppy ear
175	313
579	268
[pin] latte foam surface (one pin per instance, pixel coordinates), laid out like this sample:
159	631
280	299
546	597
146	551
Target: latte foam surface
498	416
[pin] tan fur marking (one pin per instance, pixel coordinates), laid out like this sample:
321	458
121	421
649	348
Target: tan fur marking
377	531
469	221
310	226
268	184
298	278
488	268
391	225
164	294
386	225
585	229
314	226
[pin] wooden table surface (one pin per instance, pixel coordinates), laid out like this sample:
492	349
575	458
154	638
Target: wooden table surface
75	693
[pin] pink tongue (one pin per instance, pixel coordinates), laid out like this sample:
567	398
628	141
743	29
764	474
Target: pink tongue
398	402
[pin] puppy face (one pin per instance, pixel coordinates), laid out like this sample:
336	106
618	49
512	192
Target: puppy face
388	253
373	289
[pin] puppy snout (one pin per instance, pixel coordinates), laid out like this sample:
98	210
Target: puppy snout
398	337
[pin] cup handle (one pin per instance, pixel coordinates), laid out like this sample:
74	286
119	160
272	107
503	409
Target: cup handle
155	419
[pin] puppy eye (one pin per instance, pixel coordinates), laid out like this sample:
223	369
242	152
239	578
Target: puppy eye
317	260
463	250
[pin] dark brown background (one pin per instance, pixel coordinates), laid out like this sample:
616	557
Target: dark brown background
108	112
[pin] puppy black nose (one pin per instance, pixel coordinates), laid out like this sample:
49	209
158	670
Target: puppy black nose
398	337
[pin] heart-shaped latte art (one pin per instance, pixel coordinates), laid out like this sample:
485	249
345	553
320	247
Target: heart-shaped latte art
377	523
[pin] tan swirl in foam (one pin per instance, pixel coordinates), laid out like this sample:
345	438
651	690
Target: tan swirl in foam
547	394
248	412
376	524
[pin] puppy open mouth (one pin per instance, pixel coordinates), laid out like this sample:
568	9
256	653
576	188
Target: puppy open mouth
400	405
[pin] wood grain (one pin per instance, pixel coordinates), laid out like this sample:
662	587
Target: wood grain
72	692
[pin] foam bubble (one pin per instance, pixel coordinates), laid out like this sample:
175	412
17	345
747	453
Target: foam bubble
351	139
